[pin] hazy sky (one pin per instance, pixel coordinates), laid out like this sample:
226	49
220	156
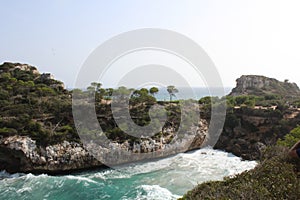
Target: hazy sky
242	37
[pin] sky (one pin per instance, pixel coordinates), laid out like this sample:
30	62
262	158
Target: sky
259	37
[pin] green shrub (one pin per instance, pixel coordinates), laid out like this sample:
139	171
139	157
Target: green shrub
7	131
291	138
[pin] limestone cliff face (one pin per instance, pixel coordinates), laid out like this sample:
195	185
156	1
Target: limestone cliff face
260	85
21	154
200	136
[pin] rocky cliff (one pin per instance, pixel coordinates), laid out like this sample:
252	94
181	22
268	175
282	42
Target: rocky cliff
21	154
249	128
261	85
248	131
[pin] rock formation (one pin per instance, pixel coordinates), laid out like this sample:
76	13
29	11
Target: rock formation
21	154
261	85
248	130
23	67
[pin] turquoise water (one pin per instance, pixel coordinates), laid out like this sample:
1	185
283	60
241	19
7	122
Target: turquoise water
163	179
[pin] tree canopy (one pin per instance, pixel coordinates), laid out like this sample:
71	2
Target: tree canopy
172	90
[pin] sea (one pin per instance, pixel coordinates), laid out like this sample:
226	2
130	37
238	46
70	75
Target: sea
195	93
185	93
163	179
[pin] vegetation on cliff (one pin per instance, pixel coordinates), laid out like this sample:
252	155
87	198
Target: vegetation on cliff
36	105
253	122
291	138
37	131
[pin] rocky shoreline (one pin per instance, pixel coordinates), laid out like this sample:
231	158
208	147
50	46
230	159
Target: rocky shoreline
22	154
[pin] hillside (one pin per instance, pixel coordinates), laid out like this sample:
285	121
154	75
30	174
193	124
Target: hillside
34	104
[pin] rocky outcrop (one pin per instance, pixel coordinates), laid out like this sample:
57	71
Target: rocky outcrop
261	85
249	130
200	136
21	154
7	66
45	78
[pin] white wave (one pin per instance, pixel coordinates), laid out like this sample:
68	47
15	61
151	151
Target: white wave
24	189
4	175
80	178
110	174
30	177
207	160
154	192
27	177
182	172
150	192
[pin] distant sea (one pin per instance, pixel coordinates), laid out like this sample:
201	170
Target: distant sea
195	93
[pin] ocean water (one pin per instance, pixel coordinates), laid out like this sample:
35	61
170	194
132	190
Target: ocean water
192	93
164	179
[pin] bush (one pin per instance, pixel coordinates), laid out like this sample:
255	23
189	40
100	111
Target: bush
291	138
7	131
